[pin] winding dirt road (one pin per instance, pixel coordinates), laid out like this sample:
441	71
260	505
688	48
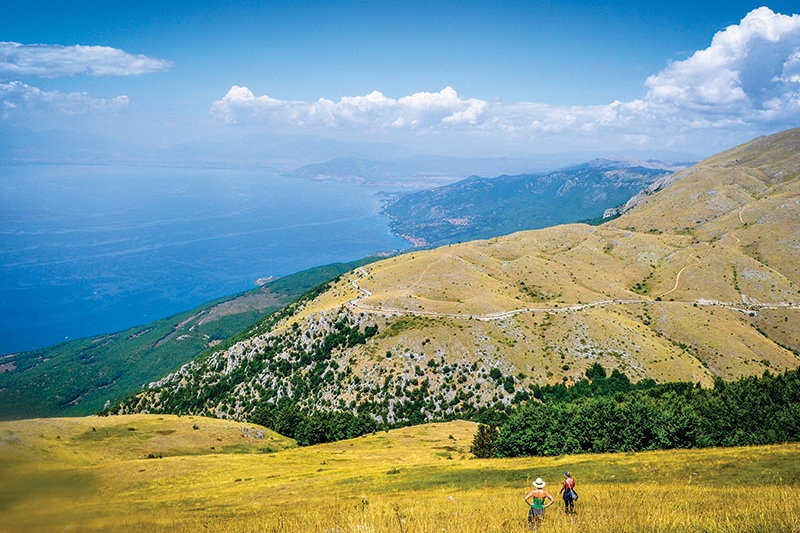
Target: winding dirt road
358	303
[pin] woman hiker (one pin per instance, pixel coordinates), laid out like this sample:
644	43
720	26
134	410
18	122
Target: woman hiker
568	493
539	500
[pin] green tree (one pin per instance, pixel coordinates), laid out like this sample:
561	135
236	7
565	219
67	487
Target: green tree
596	371
526	431
312	430
288	420
263	415
483	443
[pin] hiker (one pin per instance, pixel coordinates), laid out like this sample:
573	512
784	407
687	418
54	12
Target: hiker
539	500
568	493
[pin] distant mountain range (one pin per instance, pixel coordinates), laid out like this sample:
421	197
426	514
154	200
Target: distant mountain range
697	282
410	172
296	155
480	208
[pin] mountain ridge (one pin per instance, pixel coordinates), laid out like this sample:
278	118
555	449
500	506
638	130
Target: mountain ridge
478	207
700	281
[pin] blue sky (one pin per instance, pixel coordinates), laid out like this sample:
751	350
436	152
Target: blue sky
458	78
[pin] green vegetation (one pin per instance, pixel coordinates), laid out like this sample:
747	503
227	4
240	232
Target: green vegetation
484	443
315	428
481	208
609	414
79	377
405	323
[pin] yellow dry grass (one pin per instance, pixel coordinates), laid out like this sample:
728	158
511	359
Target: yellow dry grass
58	475
700	281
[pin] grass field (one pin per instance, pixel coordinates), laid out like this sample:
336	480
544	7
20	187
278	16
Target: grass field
187	474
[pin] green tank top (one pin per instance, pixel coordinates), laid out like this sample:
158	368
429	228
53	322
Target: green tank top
538	503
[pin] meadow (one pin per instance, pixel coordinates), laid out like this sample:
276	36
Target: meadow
185	474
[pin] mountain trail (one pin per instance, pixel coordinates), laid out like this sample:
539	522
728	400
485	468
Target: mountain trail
357	303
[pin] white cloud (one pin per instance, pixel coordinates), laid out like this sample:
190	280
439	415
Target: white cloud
748	78
373	111
53	61
17	98
422	112
748	68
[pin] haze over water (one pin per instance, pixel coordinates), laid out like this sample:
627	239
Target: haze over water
96	249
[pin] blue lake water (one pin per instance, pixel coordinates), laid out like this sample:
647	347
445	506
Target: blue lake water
96	249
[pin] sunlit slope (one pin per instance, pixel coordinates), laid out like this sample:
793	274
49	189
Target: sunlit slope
743	204
102	475
121	438
703	279
700	281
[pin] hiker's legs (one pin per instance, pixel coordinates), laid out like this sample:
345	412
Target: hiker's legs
535	517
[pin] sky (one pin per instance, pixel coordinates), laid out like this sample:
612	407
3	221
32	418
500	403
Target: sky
494	78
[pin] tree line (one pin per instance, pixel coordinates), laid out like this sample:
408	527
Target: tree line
290	421
610	414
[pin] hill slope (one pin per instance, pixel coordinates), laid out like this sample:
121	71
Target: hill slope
160	474
79	377
702	280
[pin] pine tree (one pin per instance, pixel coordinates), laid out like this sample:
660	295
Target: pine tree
483	443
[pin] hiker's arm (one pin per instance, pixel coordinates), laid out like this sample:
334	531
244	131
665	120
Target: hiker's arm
549	497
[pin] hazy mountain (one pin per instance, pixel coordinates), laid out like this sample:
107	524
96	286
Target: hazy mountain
411	172
701	280
297	155
480	208
22	146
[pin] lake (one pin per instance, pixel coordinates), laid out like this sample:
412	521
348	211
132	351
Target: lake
96	249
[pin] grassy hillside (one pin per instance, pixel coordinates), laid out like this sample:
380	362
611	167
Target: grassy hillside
151	473
700	281
77	378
